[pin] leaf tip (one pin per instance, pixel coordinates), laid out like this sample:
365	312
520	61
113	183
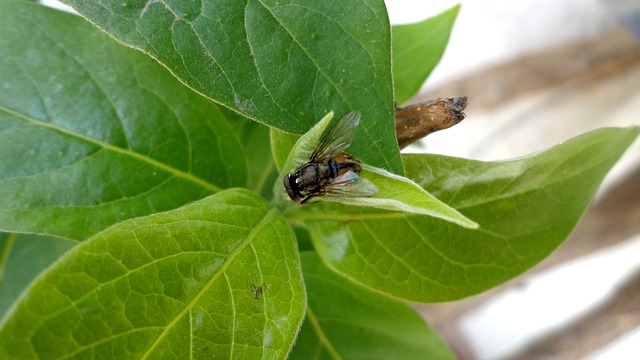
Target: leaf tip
469	224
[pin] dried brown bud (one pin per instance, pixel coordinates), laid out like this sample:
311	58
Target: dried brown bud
416	121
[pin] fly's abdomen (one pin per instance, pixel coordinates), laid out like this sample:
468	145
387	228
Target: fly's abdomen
342	163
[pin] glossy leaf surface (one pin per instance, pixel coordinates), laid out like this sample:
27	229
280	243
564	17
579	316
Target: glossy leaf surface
417	49
347	321
525	207
284	64
92	133
180	284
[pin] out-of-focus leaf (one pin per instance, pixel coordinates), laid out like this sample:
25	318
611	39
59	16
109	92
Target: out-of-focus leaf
417	49
304	238
525	207
281	145
256	143
22	258
92	133
284	64
218	278
347	321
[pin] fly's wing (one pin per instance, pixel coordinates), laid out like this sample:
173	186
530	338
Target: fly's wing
338	138
350	184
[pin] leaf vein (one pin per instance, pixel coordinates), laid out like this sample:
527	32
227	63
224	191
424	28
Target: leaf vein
126	152
221	271
324	340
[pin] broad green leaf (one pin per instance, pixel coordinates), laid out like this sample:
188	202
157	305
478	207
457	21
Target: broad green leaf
284	64
347	321
395	193
92	133
525	207
22	258
175	285
417	49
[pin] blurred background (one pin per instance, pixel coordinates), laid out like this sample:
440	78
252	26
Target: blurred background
538	73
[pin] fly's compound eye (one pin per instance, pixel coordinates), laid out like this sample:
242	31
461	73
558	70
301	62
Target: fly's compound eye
292	188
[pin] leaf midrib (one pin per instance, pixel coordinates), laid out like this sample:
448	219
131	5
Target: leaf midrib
544	185
106	146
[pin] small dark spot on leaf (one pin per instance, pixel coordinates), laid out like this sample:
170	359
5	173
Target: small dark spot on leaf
258	290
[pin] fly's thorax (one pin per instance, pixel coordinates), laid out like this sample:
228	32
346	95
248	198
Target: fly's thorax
307	176
324	170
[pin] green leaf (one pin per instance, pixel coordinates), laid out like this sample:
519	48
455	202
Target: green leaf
282	64
180	284
397	193
417	49
22	258
347	321
92	133
525	207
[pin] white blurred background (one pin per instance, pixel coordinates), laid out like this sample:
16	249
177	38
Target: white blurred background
538	73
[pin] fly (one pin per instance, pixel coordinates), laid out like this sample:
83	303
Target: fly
331	171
